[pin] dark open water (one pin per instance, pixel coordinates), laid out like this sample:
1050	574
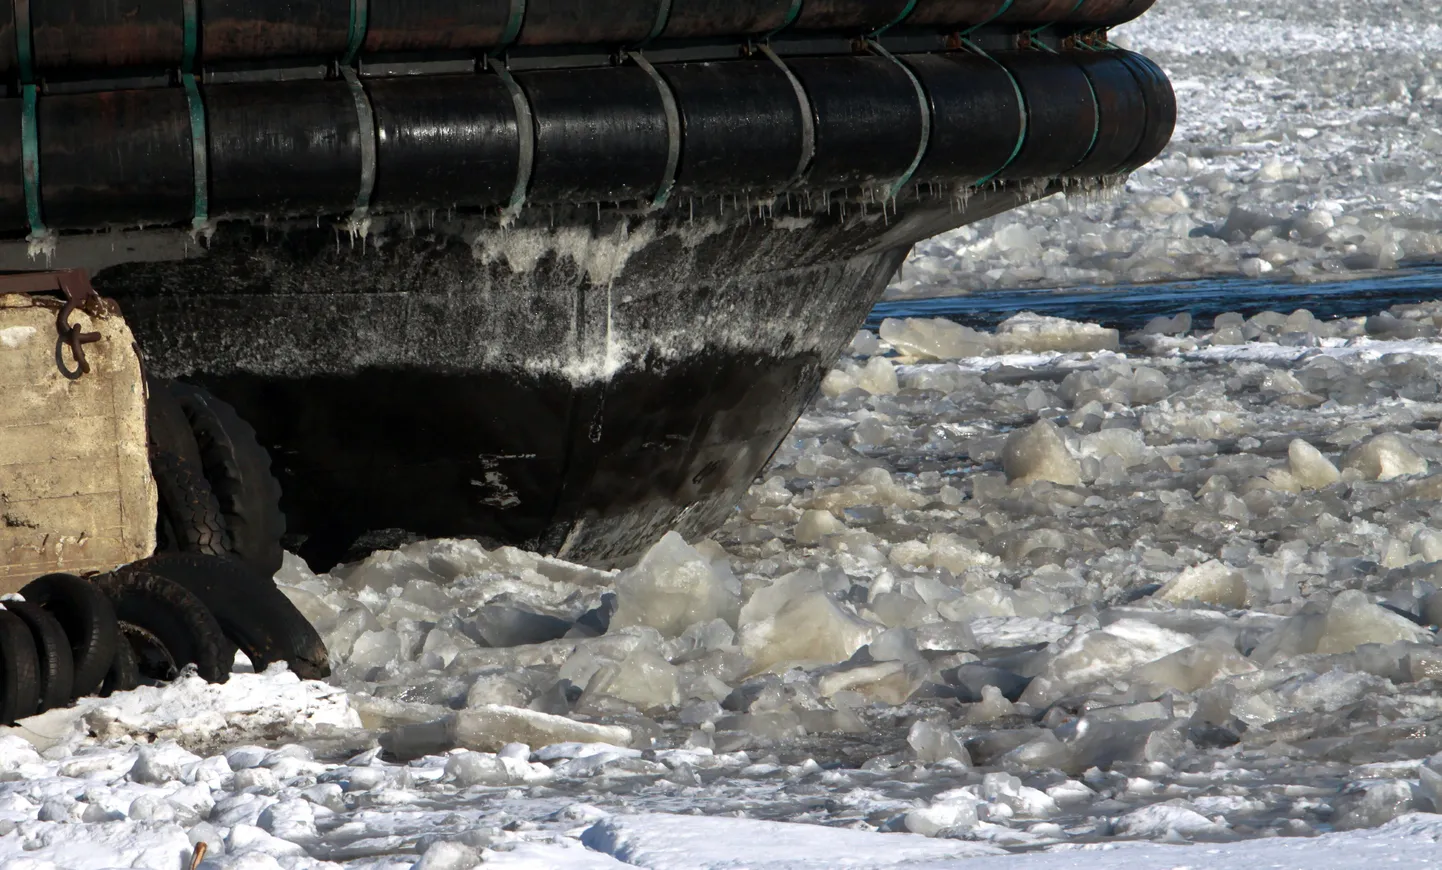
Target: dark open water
1130	307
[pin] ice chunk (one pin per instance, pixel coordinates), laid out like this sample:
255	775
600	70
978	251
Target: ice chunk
1039	453
878	377
837	382
816	525
674	586
891	682
1309	468
992	706
1384	457
1088	657
1037	333
934	743
1167	821
935	339
490	729
448	855
643	678
469	768
1022	800
1195	667
1353	620
1210	583
795	620
1371	804
949	812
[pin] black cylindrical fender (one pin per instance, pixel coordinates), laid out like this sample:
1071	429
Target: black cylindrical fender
742	126
1161	108
868	120
116	157
1121	111
850	16
1061	114
586	155
978	117
283	149
444	140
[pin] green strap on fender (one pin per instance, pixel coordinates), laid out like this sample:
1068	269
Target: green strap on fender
23	49
1005	7
1045	27
663	17
808	120
1021	103
673	130
192	36
925	102
199	151
359	24
791	15
30	161
366	120
513	26
905	14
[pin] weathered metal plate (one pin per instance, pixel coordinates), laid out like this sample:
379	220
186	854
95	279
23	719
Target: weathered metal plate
75	487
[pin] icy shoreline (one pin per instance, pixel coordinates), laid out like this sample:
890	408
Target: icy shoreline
1048	588
1306	148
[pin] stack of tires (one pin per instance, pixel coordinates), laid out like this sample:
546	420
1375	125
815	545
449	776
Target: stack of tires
208	592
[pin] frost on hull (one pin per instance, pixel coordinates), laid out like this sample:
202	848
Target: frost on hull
577	391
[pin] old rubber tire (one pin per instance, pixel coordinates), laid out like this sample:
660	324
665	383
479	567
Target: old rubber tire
88	619
177	619
238	470
124	671
166	425
253	613
54	660
19	670
190	516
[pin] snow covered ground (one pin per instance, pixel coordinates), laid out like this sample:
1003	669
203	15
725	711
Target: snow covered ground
1307	146
1165	598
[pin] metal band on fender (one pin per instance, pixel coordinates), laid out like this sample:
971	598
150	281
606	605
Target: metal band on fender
808	120
925	100
1096	117
192	36
200	151
366	116
673	130
526	131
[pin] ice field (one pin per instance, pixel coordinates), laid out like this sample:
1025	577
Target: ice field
1307	147
1042	596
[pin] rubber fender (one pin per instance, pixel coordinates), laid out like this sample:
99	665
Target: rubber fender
12	172
253	29
174	617
583	155
1108	13
868	120
978	117
851	16
757	148
238	472
190	519
437	25
955	13
1161	108
55	665
107	35
588	22
19	670
444	140
88	618
292	149
1036	12
1122	113
255	615
1061	114
136	170
691	19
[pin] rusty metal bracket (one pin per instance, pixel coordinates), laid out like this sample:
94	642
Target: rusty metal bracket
74	285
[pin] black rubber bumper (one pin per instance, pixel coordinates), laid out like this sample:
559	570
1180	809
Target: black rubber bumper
749	128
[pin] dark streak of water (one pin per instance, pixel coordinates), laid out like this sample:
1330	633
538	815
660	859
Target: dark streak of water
1130	307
